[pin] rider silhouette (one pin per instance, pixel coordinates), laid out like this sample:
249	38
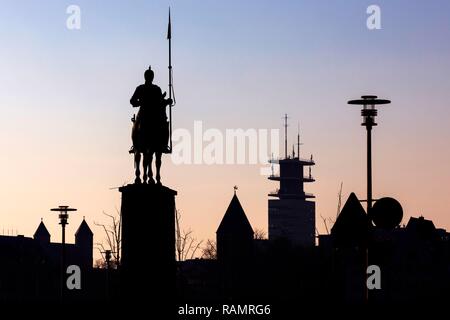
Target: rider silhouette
150	130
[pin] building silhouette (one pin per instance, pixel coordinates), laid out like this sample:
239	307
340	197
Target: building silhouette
414	260
84	242
235	248
235	234
79	253
30	267
292	215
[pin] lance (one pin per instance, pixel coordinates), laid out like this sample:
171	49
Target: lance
169	37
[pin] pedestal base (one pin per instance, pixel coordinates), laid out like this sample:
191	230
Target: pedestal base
148	243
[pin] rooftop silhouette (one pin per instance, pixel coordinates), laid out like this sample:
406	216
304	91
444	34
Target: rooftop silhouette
235	220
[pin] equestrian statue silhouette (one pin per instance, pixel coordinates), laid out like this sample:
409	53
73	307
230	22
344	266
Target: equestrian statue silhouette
150	133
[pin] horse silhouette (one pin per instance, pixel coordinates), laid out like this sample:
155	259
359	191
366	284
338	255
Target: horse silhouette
150	131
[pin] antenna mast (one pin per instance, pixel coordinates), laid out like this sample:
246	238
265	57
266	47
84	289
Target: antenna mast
298	140
285	135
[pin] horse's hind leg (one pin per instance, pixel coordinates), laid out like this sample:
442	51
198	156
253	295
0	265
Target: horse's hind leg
149	166
137	163
146	166
158	166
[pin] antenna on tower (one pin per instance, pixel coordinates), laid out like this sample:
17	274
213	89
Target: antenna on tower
285	135
298	140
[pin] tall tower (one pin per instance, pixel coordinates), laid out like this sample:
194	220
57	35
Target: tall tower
291	213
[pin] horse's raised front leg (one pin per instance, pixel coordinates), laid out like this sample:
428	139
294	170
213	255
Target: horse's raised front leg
137	163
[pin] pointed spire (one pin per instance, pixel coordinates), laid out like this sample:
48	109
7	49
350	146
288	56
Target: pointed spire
42	233
352	224
235	220
83	229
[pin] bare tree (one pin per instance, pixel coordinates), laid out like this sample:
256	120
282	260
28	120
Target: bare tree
186	244
113	233
259	234
209	251
326	221
331	221
339	200
100	264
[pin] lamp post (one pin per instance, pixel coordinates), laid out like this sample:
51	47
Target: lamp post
369	112
108	256
63	217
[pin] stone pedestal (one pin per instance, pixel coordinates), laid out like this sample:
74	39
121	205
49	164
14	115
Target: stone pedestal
148	244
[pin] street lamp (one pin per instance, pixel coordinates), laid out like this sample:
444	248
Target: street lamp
369	113
63	217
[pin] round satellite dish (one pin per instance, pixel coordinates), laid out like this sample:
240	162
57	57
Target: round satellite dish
387	213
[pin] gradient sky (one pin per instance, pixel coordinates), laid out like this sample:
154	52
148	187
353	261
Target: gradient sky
64	99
